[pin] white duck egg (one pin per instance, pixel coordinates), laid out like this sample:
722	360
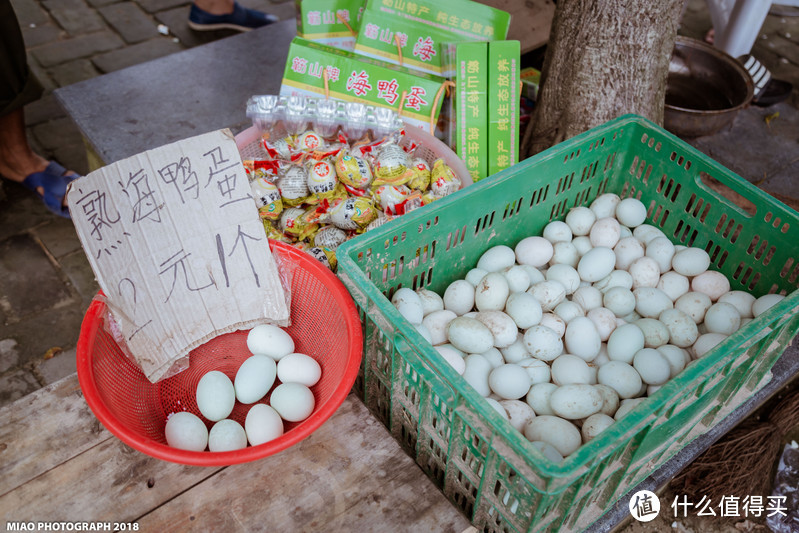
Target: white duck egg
705	343
524	309
580	219
582	339
617	278
627	250
502	327
215	396
741	300
645	272
543	343
509	381
655	332
605	205
570	369
765	302
553	322
299	368
459	297
409	305
565	253
646	233
712	283
186	431
596	264
227	435
436	324
605	232
653	368
690	261
533	273
270	340
620	301
673	284
549	293
676	356
538	398
516	351
722	318
453	357
491	293
631	212
254	378
621	377
262	424
565	275
494	403
534	251
624	342
424	332
431	301
594	425
470	335
548	451
582	244
519	413
610	399
662	251
575	401
292	401
537	369
474	276
682	328
497	258
694	304
555	431
588	298
569	310
495	357
651	301
517	278
557	231
626	406
476	371
604	321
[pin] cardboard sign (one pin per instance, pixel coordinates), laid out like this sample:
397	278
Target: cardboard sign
177	246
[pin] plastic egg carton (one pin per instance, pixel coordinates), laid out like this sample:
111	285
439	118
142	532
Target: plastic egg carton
300	113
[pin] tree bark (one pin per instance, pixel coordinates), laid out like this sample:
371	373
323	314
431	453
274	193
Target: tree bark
605	58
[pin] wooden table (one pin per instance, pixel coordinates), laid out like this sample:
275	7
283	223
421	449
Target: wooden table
57	463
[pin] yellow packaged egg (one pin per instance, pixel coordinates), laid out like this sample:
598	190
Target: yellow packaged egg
295	223
353	213
329	237
325	256
392	165
353	171
421	175
322	181
267	199
381	219
309	141
293	185
443	180
273	232
390	197
278	148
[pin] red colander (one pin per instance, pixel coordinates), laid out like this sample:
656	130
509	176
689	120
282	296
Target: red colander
324	325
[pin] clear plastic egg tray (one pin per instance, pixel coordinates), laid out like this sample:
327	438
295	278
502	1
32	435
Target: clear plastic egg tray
485	467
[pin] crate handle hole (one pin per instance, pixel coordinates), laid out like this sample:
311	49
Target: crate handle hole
743	205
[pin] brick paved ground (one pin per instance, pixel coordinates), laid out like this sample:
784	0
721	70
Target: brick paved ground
45	281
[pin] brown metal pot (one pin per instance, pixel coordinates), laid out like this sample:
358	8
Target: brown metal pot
705	89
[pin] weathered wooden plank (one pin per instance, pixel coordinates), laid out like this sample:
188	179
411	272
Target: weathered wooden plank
350	475
44	429
108	482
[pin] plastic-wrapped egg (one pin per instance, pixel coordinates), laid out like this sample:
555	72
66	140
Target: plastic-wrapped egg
267	339
262	424
299	368
186	431
409	304
534	251
292	401
227	435
690	262
497	258
216	396
254	378
459	297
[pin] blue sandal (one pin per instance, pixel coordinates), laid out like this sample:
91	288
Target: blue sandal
54	181
241	19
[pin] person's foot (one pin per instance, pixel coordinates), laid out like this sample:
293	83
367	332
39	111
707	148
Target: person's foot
241	19
51	186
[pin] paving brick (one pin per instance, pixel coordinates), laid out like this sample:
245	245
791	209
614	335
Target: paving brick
41	74
29	12
51	134
59	237
38	35
153	6
72	154
28	281
73	72
77	268
177	22
83	46
59	366
135	54
75	16
38	333
100	3
9	355
44	109
21	210
15	385
128	19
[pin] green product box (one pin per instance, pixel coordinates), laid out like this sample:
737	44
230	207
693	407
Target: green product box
503	104
403	41
332	22
531	79
469	20
469	105
355	78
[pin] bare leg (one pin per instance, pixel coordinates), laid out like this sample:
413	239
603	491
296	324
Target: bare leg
17	160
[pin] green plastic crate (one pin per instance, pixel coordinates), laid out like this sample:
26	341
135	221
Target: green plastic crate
484	466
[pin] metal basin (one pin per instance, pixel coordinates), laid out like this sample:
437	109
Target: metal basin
705	89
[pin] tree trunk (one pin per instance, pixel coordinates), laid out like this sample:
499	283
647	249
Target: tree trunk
605	58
